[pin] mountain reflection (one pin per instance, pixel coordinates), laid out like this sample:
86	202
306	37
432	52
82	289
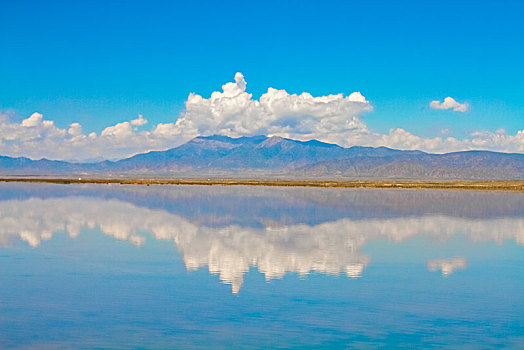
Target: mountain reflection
332	247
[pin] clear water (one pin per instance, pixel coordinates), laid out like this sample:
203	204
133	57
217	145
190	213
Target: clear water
110	266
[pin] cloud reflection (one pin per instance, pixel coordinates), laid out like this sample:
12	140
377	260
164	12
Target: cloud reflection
229	251
447	266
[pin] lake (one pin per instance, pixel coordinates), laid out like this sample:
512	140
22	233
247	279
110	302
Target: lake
123	266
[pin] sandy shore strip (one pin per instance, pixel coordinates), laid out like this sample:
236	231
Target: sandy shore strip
483	185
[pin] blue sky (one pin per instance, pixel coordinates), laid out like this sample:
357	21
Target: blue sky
100	63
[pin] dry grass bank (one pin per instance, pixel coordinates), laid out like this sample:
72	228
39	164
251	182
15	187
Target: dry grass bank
487	185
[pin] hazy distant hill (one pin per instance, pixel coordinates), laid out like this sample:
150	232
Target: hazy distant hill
27	166
271	156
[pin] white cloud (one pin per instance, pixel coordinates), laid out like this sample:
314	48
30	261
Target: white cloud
33	120
234	112
120	130
139	121
449	103
231	112
38	138
483	140
75	129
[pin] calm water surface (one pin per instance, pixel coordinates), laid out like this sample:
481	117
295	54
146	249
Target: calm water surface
110	266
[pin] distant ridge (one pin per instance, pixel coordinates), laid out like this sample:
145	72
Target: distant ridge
261	156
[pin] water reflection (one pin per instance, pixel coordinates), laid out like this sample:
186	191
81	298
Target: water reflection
275	243
447	266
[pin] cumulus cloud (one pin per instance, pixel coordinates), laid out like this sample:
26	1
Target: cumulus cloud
234	112
231	112
139	121
478	140
36	138
449	103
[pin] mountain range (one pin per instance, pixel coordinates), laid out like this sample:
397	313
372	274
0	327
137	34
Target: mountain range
261	156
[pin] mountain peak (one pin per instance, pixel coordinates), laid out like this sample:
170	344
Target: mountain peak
272	141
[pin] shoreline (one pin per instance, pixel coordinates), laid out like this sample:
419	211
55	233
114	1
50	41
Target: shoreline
479	185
